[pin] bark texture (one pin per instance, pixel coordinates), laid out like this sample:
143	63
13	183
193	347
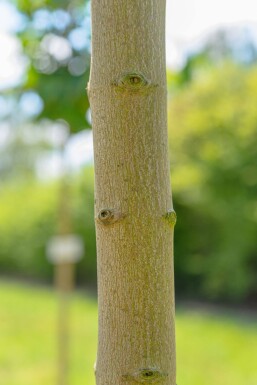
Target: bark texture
133	205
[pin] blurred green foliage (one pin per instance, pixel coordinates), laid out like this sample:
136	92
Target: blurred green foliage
21	152
213	150
26	221
29	218
55	38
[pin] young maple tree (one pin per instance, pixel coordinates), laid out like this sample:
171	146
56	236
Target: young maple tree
133	204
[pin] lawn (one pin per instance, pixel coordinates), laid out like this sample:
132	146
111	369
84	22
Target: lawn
213	348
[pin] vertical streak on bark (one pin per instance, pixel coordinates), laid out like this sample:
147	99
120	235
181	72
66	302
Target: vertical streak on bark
127	92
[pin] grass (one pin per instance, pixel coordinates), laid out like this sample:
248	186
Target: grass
212	348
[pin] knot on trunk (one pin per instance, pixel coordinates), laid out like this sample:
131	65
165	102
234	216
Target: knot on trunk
133	82
109	216
170	217
146	376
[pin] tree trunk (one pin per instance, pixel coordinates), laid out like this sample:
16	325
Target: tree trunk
133	204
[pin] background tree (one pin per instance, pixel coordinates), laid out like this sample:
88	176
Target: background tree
213	130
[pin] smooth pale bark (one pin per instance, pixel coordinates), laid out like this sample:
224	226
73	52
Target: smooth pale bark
133	204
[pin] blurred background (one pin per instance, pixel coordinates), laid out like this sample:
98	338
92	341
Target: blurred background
46	187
